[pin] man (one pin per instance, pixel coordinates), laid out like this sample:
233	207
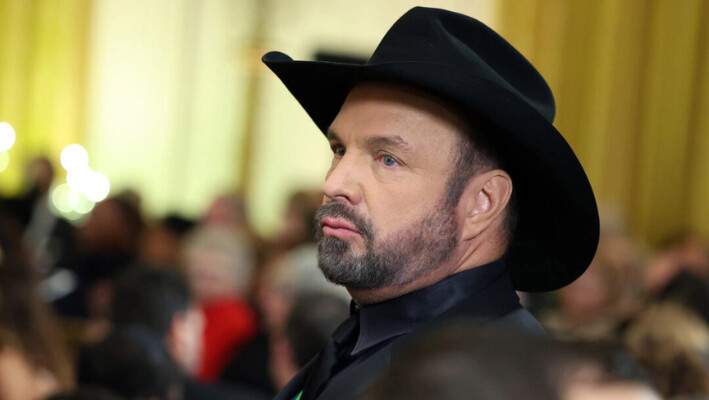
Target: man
449	189
492	364
161	302
132	363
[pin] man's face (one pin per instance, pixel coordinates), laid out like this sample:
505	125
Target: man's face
384	221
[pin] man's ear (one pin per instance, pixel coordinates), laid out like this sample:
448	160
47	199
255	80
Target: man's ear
484	201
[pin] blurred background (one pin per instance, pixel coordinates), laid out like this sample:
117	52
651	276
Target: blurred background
155	175
169	97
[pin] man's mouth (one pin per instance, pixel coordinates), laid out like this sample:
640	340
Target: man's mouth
339	228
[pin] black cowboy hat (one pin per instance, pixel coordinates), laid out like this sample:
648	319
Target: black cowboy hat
462	61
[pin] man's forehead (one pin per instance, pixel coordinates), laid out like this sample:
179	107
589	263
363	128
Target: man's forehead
385	103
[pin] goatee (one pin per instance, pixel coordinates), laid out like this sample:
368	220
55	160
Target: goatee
398	259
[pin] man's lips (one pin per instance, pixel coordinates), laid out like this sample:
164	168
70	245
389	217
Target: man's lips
338	228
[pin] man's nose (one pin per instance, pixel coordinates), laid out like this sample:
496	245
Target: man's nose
342	182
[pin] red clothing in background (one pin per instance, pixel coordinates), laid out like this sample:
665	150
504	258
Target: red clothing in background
229	323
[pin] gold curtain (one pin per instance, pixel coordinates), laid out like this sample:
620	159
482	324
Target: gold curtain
43	50
631	82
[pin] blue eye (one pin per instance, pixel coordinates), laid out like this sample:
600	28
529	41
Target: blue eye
389	161
339	151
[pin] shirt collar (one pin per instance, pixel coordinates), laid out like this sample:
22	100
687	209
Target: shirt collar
388	319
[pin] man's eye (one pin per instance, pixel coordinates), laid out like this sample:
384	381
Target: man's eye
339	151
389	161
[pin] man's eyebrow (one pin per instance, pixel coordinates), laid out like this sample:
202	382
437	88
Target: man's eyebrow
332	135
393	140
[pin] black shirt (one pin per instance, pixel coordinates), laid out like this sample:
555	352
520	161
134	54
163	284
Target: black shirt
383	321
484	293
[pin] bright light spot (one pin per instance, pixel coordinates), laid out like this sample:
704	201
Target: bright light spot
74	156
79	178
98	188
72	216
60	198
74	199
85	206
79	203
7	136
84	187
4	160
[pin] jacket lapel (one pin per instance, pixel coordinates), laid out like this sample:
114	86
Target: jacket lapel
354	381
296	384
348	385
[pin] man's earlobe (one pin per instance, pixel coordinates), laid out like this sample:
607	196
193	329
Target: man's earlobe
485	199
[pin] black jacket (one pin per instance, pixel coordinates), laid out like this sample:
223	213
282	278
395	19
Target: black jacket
492	301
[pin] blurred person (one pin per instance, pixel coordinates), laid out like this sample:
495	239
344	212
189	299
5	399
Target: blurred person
38	178
461	361
627	256
298	225
32	347
296	233
161	242
688	290
20	379
161	301
113	228
449	188
132	363
219	263
10	238
310	323
229	211
595	304
49	239
88	393
297	230
287	276
620	253
109	244
673	343
685	252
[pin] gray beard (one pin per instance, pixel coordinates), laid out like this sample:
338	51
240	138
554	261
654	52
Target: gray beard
396	260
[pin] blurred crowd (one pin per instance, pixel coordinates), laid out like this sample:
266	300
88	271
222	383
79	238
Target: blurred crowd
121	306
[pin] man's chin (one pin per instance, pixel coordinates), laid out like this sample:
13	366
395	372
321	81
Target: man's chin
350	264
348	280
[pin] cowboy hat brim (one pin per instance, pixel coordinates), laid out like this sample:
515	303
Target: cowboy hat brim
557	224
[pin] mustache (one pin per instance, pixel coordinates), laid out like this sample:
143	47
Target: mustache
338	210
